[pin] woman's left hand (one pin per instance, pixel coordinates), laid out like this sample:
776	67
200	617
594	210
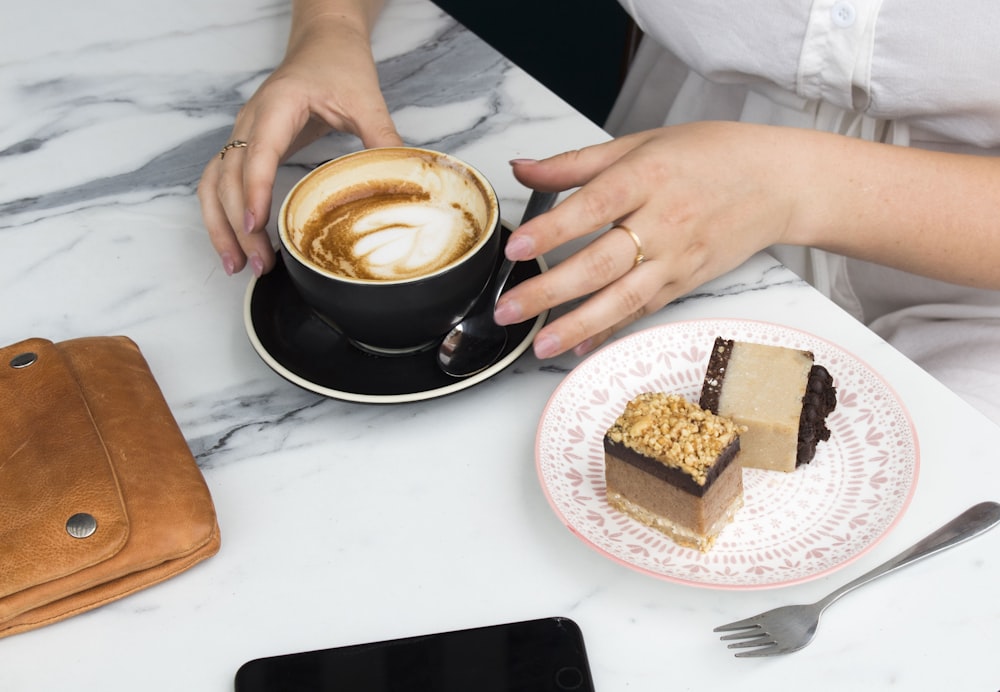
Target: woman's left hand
686	204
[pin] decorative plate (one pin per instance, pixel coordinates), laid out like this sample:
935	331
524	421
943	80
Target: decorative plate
793	527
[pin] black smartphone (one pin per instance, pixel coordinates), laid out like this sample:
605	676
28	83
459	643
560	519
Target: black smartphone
532	656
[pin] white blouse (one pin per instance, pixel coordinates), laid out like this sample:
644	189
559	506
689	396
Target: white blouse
932	65
907	72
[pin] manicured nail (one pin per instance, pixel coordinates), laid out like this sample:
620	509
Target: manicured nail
507	312
257	264
546	346
520	247
228	263
248	221
522	162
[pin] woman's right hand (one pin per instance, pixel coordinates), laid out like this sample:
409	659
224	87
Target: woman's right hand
327	80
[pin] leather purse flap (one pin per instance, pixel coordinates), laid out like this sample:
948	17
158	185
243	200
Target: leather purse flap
53	466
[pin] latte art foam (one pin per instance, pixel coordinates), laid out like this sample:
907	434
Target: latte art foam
390	237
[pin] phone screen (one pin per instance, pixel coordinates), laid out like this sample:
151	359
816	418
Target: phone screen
531	656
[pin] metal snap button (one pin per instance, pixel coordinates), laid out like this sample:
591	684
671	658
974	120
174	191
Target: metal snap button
81	525
23	360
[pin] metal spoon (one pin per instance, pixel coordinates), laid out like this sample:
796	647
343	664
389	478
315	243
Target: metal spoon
477	341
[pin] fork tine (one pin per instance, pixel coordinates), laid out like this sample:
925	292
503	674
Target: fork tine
762	639
750	622
754	632
771	649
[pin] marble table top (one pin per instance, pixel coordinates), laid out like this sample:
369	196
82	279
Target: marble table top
346	522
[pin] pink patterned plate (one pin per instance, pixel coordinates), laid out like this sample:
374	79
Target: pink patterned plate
793	527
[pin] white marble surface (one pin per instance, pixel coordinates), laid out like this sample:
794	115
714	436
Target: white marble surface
345	522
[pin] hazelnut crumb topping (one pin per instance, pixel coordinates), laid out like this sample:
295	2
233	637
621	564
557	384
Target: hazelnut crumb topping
675	432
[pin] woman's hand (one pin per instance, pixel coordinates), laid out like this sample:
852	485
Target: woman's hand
699	200
327	80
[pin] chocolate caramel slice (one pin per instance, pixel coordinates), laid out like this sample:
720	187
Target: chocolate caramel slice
670	465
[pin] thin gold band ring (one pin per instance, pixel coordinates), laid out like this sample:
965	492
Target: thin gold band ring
639	256
235	144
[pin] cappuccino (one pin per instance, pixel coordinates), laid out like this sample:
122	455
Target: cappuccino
391	246
389	215
396	231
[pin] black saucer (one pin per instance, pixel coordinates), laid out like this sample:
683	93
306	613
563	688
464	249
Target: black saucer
303	349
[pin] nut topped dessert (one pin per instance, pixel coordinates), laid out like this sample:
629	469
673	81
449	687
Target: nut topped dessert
669	464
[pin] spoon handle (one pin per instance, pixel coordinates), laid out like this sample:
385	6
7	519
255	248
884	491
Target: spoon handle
506	267
538	203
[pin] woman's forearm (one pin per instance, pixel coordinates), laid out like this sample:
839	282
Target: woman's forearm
929	213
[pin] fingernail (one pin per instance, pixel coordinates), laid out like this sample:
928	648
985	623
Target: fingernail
507	312
228	263
546	346
522	162
248	221
584	347
520	247
257	264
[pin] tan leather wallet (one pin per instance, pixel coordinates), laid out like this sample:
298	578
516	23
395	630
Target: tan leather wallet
100	495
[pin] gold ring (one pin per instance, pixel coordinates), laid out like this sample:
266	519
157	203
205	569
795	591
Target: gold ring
639	256
235	144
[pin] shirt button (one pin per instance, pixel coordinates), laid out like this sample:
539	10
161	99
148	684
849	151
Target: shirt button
843	14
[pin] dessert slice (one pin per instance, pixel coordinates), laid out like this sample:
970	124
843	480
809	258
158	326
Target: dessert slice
669	464
778	393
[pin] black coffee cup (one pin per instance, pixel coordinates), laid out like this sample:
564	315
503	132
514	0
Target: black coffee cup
391	246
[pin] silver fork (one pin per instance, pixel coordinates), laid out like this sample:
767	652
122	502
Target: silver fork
790	628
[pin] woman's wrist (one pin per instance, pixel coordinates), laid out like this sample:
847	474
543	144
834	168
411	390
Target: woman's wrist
316	18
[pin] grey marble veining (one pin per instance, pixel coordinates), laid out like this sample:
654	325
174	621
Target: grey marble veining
82	101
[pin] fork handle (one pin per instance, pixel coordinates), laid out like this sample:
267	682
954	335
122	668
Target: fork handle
969	524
